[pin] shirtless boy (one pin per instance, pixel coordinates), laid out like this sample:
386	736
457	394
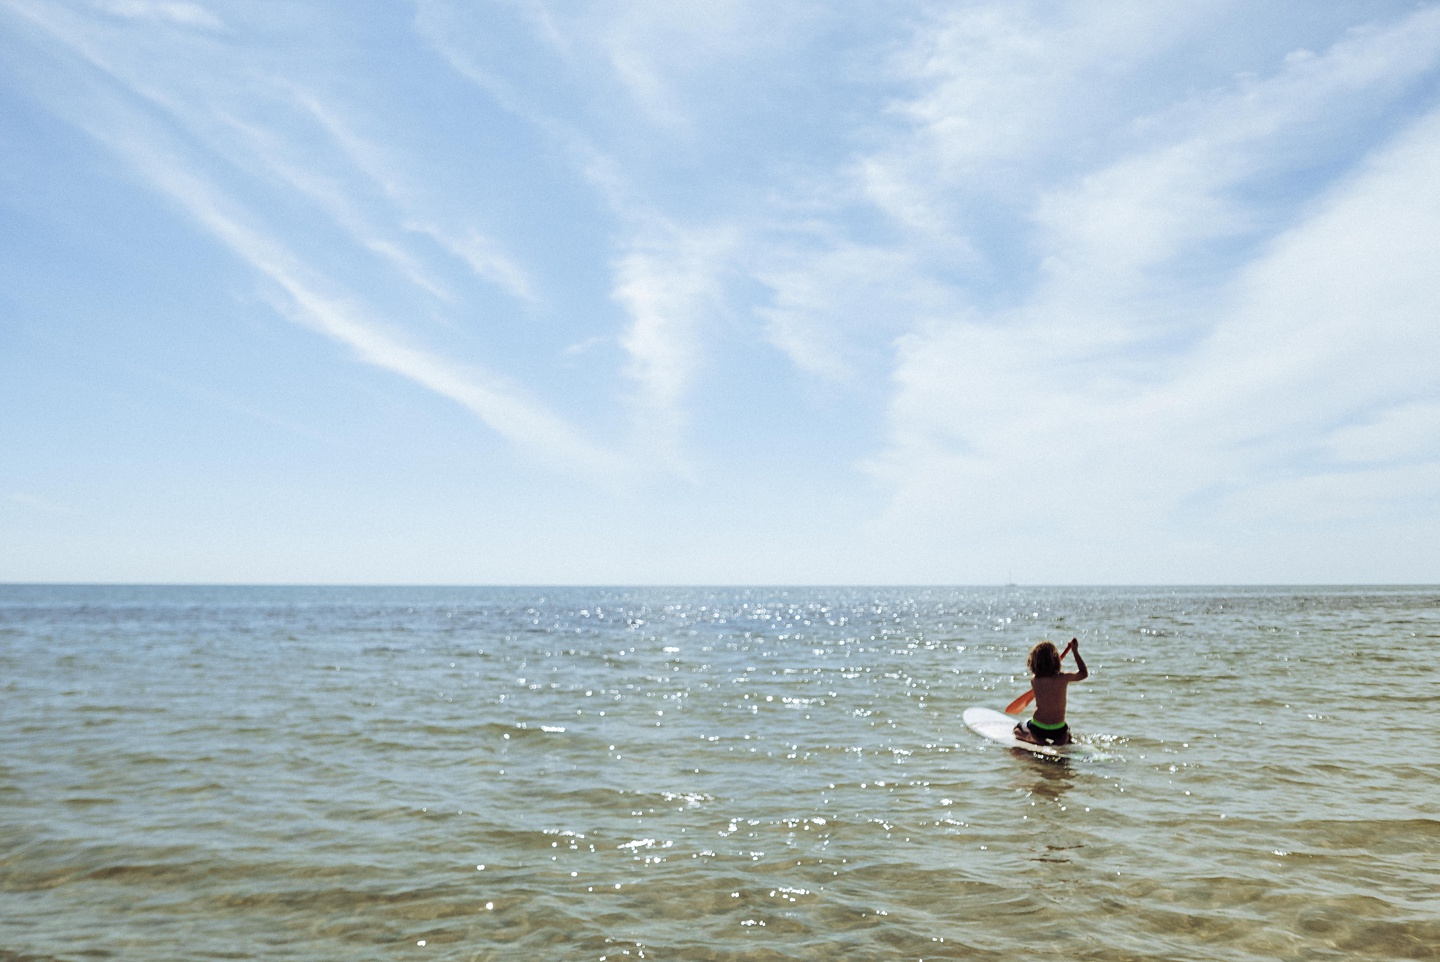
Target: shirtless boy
1049	685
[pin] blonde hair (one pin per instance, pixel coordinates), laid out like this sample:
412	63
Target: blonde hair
1044	660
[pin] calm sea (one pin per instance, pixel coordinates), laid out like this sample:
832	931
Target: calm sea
616	774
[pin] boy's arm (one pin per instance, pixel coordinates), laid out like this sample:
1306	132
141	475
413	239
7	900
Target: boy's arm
1084	672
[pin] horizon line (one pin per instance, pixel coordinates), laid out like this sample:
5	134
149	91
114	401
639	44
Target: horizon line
711	585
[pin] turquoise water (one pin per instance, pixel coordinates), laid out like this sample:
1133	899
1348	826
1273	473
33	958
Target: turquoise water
320	773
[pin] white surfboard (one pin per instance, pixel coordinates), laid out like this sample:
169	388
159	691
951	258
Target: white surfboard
1000	728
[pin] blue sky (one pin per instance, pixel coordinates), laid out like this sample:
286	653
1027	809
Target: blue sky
540	292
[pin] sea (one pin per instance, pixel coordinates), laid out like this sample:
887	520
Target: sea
610	774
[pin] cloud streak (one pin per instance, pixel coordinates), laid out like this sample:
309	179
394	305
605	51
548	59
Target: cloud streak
306	296
669	289
494	403
1326	348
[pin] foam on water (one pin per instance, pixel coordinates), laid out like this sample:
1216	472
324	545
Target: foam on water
191	773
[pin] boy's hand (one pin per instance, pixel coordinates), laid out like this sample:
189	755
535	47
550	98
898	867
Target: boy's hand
1073	646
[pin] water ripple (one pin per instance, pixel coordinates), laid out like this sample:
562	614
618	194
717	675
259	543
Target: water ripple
703	774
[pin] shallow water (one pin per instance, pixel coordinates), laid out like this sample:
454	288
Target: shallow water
320	773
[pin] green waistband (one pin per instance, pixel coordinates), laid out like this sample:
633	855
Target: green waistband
1048	728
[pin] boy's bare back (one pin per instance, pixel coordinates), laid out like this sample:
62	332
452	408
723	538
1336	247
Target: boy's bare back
1050	696
1050	691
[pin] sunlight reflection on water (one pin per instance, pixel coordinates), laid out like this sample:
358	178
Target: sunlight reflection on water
709	774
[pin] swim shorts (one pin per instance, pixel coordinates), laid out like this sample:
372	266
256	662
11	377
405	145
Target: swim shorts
1047	734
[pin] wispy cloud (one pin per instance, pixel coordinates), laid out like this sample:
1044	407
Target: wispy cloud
669	287
1007	95
482	254
835	307
485	395
657	50
495	403
306	295
484	257
292	165
172	11
276	127
1404	433
1155	214
667	278
1069	221
1325	349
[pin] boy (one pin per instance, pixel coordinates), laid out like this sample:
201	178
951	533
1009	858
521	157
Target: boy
1049	685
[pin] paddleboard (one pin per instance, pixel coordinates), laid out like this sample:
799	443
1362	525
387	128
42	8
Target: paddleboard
1000	728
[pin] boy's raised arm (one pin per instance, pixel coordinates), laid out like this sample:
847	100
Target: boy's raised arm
1084	672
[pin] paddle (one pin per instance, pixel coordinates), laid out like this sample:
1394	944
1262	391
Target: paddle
1025	699
1020	703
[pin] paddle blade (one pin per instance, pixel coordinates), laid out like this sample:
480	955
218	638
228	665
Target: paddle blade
1019	704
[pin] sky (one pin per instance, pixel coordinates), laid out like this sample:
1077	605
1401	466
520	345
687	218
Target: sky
732	292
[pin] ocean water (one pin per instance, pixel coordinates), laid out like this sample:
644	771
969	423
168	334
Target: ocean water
770	774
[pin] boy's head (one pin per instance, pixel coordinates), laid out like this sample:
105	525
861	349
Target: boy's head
1044	660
